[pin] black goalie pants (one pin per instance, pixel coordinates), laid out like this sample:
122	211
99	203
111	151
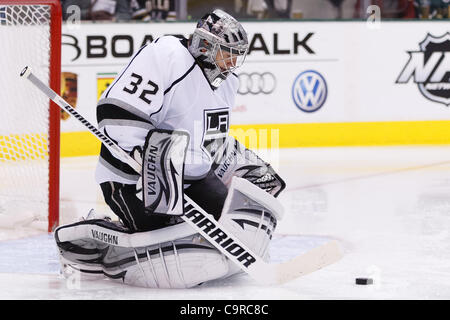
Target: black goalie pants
209	193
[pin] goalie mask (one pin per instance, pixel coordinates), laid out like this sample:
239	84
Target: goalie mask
219	44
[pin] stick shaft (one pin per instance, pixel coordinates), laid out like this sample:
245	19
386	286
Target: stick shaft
111	145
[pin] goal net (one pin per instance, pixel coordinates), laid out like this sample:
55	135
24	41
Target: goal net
30	33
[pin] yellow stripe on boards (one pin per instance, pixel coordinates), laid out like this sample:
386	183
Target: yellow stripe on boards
295	135
77	144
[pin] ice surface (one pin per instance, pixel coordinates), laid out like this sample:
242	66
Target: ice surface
388	206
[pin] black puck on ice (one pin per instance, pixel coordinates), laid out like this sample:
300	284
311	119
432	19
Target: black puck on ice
364	281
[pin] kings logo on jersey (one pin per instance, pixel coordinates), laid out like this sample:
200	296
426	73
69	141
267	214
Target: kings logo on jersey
216	125
430	68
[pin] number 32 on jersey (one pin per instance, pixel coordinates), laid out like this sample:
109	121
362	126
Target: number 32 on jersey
147	90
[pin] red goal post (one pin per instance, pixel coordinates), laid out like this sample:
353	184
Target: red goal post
54	71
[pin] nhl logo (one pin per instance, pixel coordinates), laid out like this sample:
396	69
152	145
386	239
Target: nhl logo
430	68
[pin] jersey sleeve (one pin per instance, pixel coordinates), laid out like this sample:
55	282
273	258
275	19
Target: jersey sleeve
133	104
129	107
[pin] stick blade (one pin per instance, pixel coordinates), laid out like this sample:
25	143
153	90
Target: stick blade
311	261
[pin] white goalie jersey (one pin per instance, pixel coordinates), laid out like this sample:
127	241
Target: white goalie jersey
164	87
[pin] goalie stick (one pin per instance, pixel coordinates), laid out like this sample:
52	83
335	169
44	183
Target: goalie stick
207	226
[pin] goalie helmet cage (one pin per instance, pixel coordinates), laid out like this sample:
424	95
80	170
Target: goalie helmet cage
30	31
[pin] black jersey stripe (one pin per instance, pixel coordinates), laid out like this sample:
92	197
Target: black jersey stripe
174	83
151	115
111	86
180	78
106	155
119	165
111	111
183	40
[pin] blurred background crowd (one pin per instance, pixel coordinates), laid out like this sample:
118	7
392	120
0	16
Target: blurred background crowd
172	10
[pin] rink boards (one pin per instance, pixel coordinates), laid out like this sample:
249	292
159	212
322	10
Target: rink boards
303	83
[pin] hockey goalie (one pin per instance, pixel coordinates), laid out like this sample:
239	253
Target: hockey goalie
169	109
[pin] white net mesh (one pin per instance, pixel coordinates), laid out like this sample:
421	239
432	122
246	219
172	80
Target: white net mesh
24	120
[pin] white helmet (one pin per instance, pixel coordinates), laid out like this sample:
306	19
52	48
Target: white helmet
219	44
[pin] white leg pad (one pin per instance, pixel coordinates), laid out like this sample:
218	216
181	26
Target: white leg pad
182	263
251	214
163	258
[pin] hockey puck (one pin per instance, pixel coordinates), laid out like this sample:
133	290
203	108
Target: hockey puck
364	281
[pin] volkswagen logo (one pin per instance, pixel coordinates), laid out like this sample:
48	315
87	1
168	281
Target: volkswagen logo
309	91
256	83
